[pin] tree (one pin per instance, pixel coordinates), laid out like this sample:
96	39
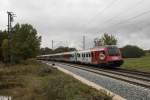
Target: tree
130	51
107	39
147	51
5	50
25	42
3	35
46	50
63	49
98	42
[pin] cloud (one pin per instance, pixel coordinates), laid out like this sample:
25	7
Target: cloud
69	20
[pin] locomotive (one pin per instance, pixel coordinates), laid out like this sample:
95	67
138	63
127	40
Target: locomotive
102	56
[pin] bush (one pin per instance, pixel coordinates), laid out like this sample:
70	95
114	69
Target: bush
130	51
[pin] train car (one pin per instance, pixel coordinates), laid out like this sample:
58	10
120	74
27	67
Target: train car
107	56
104	56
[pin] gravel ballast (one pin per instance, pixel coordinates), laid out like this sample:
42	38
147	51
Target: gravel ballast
126	90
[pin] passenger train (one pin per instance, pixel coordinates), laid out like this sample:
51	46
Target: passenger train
109	56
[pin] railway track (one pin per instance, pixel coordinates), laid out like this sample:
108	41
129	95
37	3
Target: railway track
133	77
146	74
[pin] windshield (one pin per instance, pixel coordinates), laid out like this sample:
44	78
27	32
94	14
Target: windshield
113	51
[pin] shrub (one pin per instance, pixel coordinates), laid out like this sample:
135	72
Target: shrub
130	51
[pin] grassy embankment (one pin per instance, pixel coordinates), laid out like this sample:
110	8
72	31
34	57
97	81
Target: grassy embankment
140	64
35	81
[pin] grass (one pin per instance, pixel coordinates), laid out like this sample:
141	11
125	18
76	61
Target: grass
35	81
140	64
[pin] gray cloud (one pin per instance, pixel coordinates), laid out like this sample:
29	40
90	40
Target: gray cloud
69	20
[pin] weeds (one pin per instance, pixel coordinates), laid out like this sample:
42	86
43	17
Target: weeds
33	80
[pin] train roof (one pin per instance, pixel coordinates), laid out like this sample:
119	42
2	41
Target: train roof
58	54
80	51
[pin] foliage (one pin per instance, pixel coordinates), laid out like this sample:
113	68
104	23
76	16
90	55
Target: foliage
32	81
5	50
130	51
60	49
64	49
64	87
25	42
108	39
147	51
46	50
3	35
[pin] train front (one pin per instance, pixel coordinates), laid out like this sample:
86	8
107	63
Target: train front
114	57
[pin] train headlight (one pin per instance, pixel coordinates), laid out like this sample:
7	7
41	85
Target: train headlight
102	56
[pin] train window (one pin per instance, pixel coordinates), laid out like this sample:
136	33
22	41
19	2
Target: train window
87	55
113	51
78	55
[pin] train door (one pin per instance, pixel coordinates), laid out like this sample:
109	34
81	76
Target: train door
78	57
75	57
84	57
95	57
87	57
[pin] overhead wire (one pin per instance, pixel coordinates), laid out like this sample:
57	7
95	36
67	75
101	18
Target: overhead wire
131	18
123	12
101	11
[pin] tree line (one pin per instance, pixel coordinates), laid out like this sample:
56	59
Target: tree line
46	50
21	44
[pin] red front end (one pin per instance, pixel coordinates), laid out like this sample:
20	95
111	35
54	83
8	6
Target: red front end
107	56
114	57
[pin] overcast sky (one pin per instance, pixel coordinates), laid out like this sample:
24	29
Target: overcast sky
67	21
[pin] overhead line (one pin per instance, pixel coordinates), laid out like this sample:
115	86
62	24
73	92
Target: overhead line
134	17
114	17
108	6
131	18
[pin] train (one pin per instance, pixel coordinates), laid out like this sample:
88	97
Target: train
107	56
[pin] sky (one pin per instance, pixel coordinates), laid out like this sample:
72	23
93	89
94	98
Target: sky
67	21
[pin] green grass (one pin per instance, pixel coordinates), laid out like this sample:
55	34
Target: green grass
140	64
35	81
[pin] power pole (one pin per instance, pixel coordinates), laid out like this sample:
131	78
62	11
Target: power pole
52	44
11	16
83	42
